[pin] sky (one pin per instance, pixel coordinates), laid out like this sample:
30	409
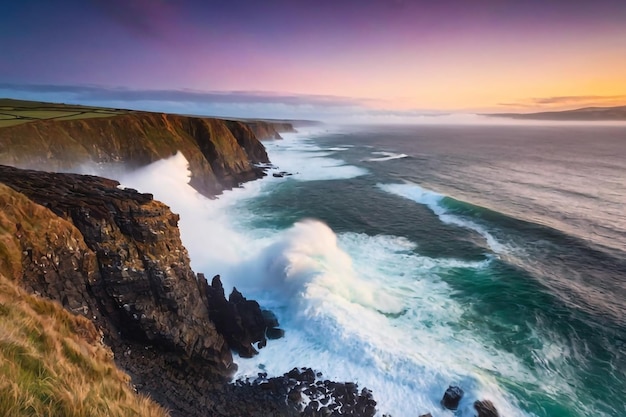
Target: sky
289	58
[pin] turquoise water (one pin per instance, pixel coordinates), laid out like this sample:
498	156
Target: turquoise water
411	258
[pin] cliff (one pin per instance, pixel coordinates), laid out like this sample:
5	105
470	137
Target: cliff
221	154
269	130
115	257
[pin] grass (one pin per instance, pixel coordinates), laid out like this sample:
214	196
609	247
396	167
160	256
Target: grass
53	364
14	112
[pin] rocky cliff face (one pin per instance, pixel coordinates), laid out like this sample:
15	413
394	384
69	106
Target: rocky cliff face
115	257
269	130
221	154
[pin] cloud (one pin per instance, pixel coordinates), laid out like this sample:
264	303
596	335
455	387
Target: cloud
251	104
100	93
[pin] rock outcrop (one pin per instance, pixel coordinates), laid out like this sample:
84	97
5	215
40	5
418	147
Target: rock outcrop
115	256
452	397
485	408
241	321
221	154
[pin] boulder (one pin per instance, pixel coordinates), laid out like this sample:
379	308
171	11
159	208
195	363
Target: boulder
452	397
485	408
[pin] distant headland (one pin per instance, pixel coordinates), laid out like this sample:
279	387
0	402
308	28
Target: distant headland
586	114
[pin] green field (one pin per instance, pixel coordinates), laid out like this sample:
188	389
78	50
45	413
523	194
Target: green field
14	112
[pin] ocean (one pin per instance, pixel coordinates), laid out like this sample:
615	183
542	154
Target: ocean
410	258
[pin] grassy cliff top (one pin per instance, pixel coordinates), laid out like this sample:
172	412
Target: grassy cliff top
15	112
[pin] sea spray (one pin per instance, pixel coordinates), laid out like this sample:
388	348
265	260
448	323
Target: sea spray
363	308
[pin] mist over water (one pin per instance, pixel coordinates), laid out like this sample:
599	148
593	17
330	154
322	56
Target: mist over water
379	279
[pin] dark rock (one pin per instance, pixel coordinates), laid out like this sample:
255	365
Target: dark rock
452	397
241	321
425	415
274	333
295	396
269	318
485	408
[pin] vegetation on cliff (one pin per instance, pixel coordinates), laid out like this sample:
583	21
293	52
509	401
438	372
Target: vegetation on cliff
16	112
54	364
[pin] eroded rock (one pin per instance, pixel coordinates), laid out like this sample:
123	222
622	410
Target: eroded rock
485	408
452	397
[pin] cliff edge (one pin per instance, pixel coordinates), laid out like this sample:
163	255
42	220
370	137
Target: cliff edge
222	154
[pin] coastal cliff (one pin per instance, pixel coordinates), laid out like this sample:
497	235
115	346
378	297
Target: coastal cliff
115	257
269	130
222	154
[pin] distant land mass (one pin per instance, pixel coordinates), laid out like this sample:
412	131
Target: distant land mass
617	113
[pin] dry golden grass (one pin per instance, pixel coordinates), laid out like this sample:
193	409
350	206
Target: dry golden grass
53	364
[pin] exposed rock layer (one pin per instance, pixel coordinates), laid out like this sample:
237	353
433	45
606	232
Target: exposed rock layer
133	276
269	130
221	154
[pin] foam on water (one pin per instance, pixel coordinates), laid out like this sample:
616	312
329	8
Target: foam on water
369	309
386	156
432	200
363	308
299	155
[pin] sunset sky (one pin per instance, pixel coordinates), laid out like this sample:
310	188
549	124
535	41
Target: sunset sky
397	56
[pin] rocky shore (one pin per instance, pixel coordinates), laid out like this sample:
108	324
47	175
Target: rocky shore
115	256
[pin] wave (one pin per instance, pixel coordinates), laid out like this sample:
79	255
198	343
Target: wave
300	156
369	309
387	156
433	201
356	307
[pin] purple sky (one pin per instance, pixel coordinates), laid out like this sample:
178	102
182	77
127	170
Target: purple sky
398	55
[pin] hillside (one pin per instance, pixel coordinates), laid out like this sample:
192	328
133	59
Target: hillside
584	114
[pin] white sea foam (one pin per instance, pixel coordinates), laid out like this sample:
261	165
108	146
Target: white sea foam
300	156
355	307
432	200
369	309
386	156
